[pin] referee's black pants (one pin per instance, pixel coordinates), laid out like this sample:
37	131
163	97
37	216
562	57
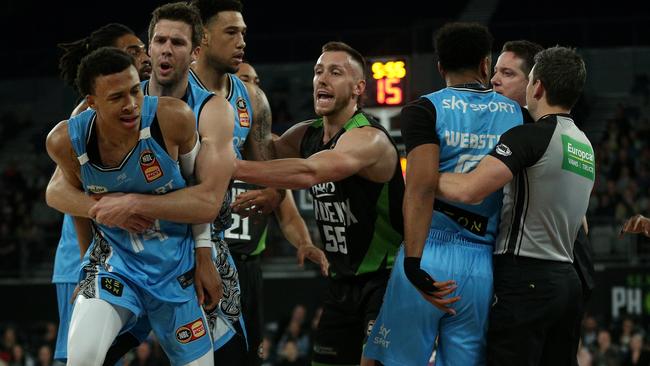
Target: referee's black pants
536	310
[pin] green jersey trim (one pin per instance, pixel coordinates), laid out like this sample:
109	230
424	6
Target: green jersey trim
261	244
385	240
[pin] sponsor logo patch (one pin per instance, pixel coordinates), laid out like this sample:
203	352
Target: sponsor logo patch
113	286
503	150
150	166
96	189
242	113
190	331
578	158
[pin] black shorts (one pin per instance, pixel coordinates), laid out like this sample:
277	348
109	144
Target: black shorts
536	309
349	312
250	284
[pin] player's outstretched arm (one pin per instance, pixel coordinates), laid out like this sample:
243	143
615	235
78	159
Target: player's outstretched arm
355	151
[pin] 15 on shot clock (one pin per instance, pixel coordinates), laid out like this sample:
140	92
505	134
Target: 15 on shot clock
388	82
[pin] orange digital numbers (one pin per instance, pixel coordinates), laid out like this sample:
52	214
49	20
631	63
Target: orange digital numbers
389	76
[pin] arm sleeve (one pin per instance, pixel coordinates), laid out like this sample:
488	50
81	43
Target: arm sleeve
418	124
523	146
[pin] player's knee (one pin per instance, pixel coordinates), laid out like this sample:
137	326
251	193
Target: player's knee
84	355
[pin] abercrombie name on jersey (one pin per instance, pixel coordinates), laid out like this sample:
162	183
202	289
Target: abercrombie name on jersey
458	104
333	217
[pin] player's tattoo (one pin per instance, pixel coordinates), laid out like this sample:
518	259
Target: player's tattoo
259	142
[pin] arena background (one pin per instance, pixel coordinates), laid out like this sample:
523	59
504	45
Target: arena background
283	41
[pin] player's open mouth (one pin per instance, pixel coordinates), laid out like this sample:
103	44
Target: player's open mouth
165	68
323	97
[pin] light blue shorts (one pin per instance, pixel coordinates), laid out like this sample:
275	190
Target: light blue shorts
407	326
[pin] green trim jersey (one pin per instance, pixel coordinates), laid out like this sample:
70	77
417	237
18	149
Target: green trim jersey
553	168
360	221
246	235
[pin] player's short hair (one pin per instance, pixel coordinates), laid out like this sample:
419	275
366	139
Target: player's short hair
334	46
210	9
563	73
103	61
181	12
74	51
525	50
462	46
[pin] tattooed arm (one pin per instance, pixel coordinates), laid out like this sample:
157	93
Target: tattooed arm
259	145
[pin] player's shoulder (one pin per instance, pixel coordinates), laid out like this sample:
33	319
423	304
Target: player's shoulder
58	139
175	116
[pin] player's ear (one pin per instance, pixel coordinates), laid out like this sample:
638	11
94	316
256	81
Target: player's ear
359	87
205	37
90	100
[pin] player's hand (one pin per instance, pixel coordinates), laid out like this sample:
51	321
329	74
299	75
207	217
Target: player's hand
315	255
116	210
207	281
257	202
635	225
433	291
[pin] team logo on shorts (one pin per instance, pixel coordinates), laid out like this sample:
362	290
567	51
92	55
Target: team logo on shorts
191	331
150	166
242	112
113	286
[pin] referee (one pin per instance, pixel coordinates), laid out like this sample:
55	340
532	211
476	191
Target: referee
548	172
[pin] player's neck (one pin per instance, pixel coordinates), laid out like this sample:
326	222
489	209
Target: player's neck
176	90
216	81
333	123
118	137
459	78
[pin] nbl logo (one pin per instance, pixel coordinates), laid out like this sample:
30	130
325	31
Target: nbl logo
190	332
150	166
242	113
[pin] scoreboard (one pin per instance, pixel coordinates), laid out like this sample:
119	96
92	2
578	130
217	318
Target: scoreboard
388	82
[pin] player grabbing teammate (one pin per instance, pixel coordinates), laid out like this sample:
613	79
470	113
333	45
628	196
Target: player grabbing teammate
67	261
112	147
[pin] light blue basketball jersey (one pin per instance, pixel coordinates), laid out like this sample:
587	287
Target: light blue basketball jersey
241	104
67	261
195	97
469	123
160	260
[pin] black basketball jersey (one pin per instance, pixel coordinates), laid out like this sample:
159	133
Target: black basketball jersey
246	235
360	221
